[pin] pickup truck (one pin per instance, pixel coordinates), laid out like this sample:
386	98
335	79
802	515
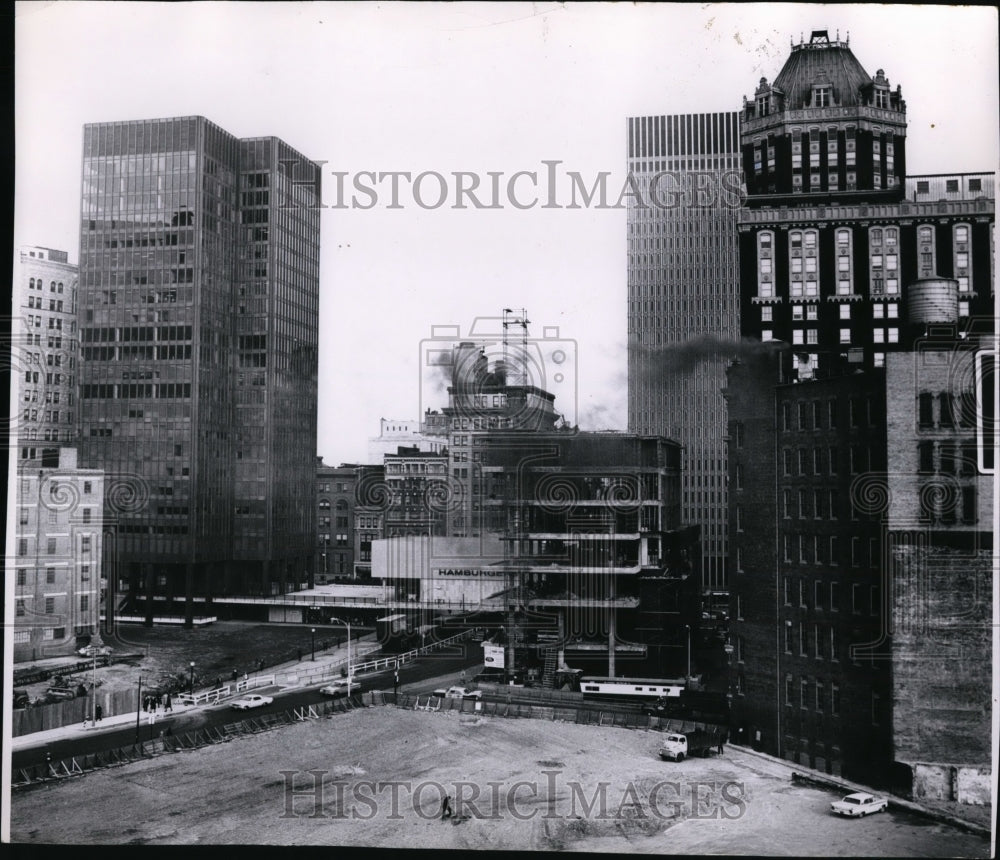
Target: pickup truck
677	745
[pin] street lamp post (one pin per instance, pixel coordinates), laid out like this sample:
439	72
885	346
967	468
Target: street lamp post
94	703
347	624
138	710
313	632
688	628
192	677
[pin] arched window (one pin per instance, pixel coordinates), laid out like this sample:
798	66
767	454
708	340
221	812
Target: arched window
324	504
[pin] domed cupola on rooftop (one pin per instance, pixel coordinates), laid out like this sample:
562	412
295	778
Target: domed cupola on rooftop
825	129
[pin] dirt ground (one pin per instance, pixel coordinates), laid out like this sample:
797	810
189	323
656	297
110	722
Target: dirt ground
162	653
533	785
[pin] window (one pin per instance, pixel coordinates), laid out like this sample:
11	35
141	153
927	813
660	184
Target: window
834	596
786	582
835	699
803	640
766	314
84	602
50	575
820	703
845	312
845	335
789	689
50	605
817	596
804	694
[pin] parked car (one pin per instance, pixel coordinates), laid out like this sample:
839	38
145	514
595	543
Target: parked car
92	650
462	693
338	688
859	804
252	701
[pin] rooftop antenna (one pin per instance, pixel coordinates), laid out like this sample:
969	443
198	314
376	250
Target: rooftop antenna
516	317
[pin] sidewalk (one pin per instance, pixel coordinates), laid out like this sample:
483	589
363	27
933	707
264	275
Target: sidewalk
975	819
288	675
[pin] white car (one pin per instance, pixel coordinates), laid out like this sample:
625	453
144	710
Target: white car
859	804
253	701
463	693
338	688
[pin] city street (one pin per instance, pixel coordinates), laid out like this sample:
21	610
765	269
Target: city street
73	742
532	785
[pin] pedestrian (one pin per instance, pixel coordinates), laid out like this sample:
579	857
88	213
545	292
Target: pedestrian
395	682
168	705
218	681
722	739
234	676
260	665
245	677
446	807
145	703
98	713
159	701
463	677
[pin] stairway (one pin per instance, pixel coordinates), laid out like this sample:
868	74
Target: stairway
549	670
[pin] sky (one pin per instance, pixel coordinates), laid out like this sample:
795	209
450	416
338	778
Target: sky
445	88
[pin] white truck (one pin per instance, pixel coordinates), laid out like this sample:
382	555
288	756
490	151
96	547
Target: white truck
678	745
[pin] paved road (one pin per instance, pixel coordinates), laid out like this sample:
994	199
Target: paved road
429	667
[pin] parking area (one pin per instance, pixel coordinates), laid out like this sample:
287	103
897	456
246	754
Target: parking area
377	777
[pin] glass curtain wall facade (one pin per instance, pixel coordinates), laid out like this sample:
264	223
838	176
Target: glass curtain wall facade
171	252
683	303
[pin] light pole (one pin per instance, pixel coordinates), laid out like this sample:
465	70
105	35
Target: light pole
138	710
347	624
687	627
192	677
313	632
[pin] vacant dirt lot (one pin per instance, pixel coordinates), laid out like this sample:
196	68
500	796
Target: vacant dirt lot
377	776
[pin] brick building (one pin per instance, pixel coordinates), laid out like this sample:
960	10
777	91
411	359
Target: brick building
833	229
57	564
47	347
335	500
937	511
806	590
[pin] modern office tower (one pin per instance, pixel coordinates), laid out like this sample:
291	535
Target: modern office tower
335	500
199	291
683	303
57	565
46	349
834	232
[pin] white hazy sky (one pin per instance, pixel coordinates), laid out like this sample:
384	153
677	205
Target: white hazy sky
476	87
